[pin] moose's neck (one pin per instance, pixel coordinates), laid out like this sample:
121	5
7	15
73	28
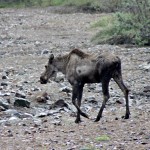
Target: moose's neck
61	63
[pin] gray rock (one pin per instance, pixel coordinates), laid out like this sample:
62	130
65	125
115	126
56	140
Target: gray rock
57	116
52	112
42	114
145	66
91	100
11	112
1	94
37	121
66	89
45	51
35	89
27	115
22	102
57	122
20	94
2	108
4	84
146	88
7	94
3	121
22	115
59	104
14	119
59	79
72	108
4	104
4	77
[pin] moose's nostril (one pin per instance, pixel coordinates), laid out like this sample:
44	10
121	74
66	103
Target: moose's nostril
42	80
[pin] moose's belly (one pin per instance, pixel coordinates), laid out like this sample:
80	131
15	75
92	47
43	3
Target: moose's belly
88	74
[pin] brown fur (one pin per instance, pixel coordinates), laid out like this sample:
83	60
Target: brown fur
81	68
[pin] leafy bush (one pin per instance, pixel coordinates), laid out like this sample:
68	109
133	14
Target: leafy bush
131	26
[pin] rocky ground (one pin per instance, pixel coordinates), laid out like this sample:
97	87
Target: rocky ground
41	117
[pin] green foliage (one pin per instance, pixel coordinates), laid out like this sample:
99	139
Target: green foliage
131	26
96	5
105	21
102	138
107	25
89	148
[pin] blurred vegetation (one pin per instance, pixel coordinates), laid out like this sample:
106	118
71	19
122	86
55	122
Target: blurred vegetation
96	5
126	22
129	25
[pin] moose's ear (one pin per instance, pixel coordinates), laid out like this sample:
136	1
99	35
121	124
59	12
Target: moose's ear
51	58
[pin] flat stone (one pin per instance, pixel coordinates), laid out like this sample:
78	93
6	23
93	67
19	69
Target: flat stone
66	89
59	79
45	51
3	121
11	111
4	84
13	119
2	108
42	114
20	94
4	104
59	104
146	89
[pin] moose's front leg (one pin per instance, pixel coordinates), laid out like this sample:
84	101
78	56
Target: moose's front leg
79	98
105	90
77	94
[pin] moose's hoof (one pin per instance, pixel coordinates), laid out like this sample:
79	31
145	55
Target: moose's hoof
126	116
97	119
78	121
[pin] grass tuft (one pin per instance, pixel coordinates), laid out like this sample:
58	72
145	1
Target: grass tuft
102	138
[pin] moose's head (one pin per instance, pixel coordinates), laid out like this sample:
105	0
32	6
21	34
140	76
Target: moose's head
50	70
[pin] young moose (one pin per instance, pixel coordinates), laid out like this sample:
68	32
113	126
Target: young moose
81	68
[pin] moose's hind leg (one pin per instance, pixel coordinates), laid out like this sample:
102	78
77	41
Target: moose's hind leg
119	81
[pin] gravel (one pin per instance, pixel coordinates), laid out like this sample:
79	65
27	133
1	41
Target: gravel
27	37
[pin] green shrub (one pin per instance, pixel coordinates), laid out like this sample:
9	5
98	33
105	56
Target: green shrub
131	26
102	138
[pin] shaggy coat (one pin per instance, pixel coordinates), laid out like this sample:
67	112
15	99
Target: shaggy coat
81	68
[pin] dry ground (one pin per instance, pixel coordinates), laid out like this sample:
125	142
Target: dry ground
25	35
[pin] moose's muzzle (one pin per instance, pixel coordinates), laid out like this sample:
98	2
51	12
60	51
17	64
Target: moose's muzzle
43	80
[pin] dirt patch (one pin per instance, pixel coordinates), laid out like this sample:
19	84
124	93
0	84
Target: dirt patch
27	37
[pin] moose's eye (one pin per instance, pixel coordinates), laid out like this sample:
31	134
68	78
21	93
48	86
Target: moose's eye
45	66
